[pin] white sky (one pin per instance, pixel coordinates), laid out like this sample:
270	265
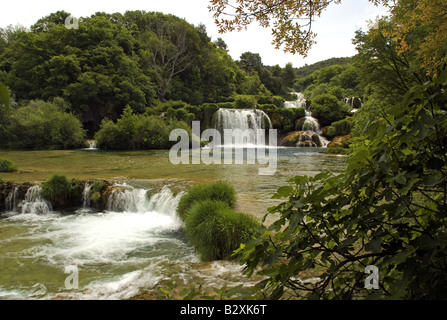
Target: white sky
335	28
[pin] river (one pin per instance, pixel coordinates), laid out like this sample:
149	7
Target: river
138	243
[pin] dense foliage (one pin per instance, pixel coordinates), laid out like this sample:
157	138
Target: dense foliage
135	59
388	208
41	125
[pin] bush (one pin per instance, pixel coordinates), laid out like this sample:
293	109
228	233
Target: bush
328	109
7	166
57	190
219	191
343	127
62	192
245	102
42	125
216	230
143	132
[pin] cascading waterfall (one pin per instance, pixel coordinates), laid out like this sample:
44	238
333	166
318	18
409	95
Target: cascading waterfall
300	102
309	130
117	251
86	196
34	203
312	135
242	119
11	200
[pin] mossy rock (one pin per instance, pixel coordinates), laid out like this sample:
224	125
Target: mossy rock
301	139
339	142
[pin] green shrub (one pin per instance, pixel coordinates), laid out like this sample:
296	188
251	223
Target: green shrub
219	191
329	131
328	109
342	127
7	166
245	102
216	230
96	191
226	105
43	125
62	192
57	190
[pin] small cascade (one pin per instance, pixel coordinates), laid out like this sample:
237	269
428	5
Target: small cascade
300	102
354	102
11	200
92	145
307	129
125	198
86	196
243	119
311	135
34	203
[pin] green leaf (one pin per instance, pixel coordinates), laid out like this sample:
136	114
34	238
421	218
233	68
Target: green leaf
283	192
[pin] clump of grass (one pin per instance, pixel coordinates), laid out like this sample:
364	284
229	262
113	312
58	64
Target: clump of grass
7	166
219	191
62	192
216	230
96	189
56	188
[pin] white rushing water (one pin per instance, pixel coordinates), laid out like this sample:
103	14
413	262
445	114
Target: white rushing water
309	125
116	251
300	102
243	120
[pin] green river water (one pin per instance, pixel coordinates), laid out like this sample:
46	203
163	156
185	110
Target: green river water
119	253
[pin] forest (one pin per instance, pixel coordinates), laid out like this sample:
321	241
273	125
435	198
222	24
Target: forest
120	73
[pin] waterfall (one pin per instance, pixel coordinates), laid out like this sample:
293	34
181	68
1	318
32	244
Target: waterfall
310	131
11	200
92	145
125	198
34	203
300	102
86	196
243	119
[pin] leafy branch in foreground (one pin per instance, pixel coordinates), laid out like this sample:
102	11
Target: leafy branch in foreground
388	209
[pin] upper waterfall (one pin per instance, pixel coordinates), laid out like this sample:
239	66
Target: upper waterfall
300	101
242	119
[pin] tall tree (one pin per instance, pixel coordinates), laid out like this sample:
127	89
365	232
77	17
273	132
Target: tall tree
170	54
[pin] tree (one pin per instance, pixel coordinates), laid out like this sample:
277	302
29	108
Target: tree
251	61
425	20
388	210
170	54
220	43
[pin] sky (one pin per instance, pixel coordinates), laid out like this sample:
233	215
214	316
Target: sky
335	28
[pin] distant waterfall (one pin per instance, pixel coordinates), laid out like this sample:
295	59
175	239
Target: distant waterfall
300	101
308	129
312	135
242	119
